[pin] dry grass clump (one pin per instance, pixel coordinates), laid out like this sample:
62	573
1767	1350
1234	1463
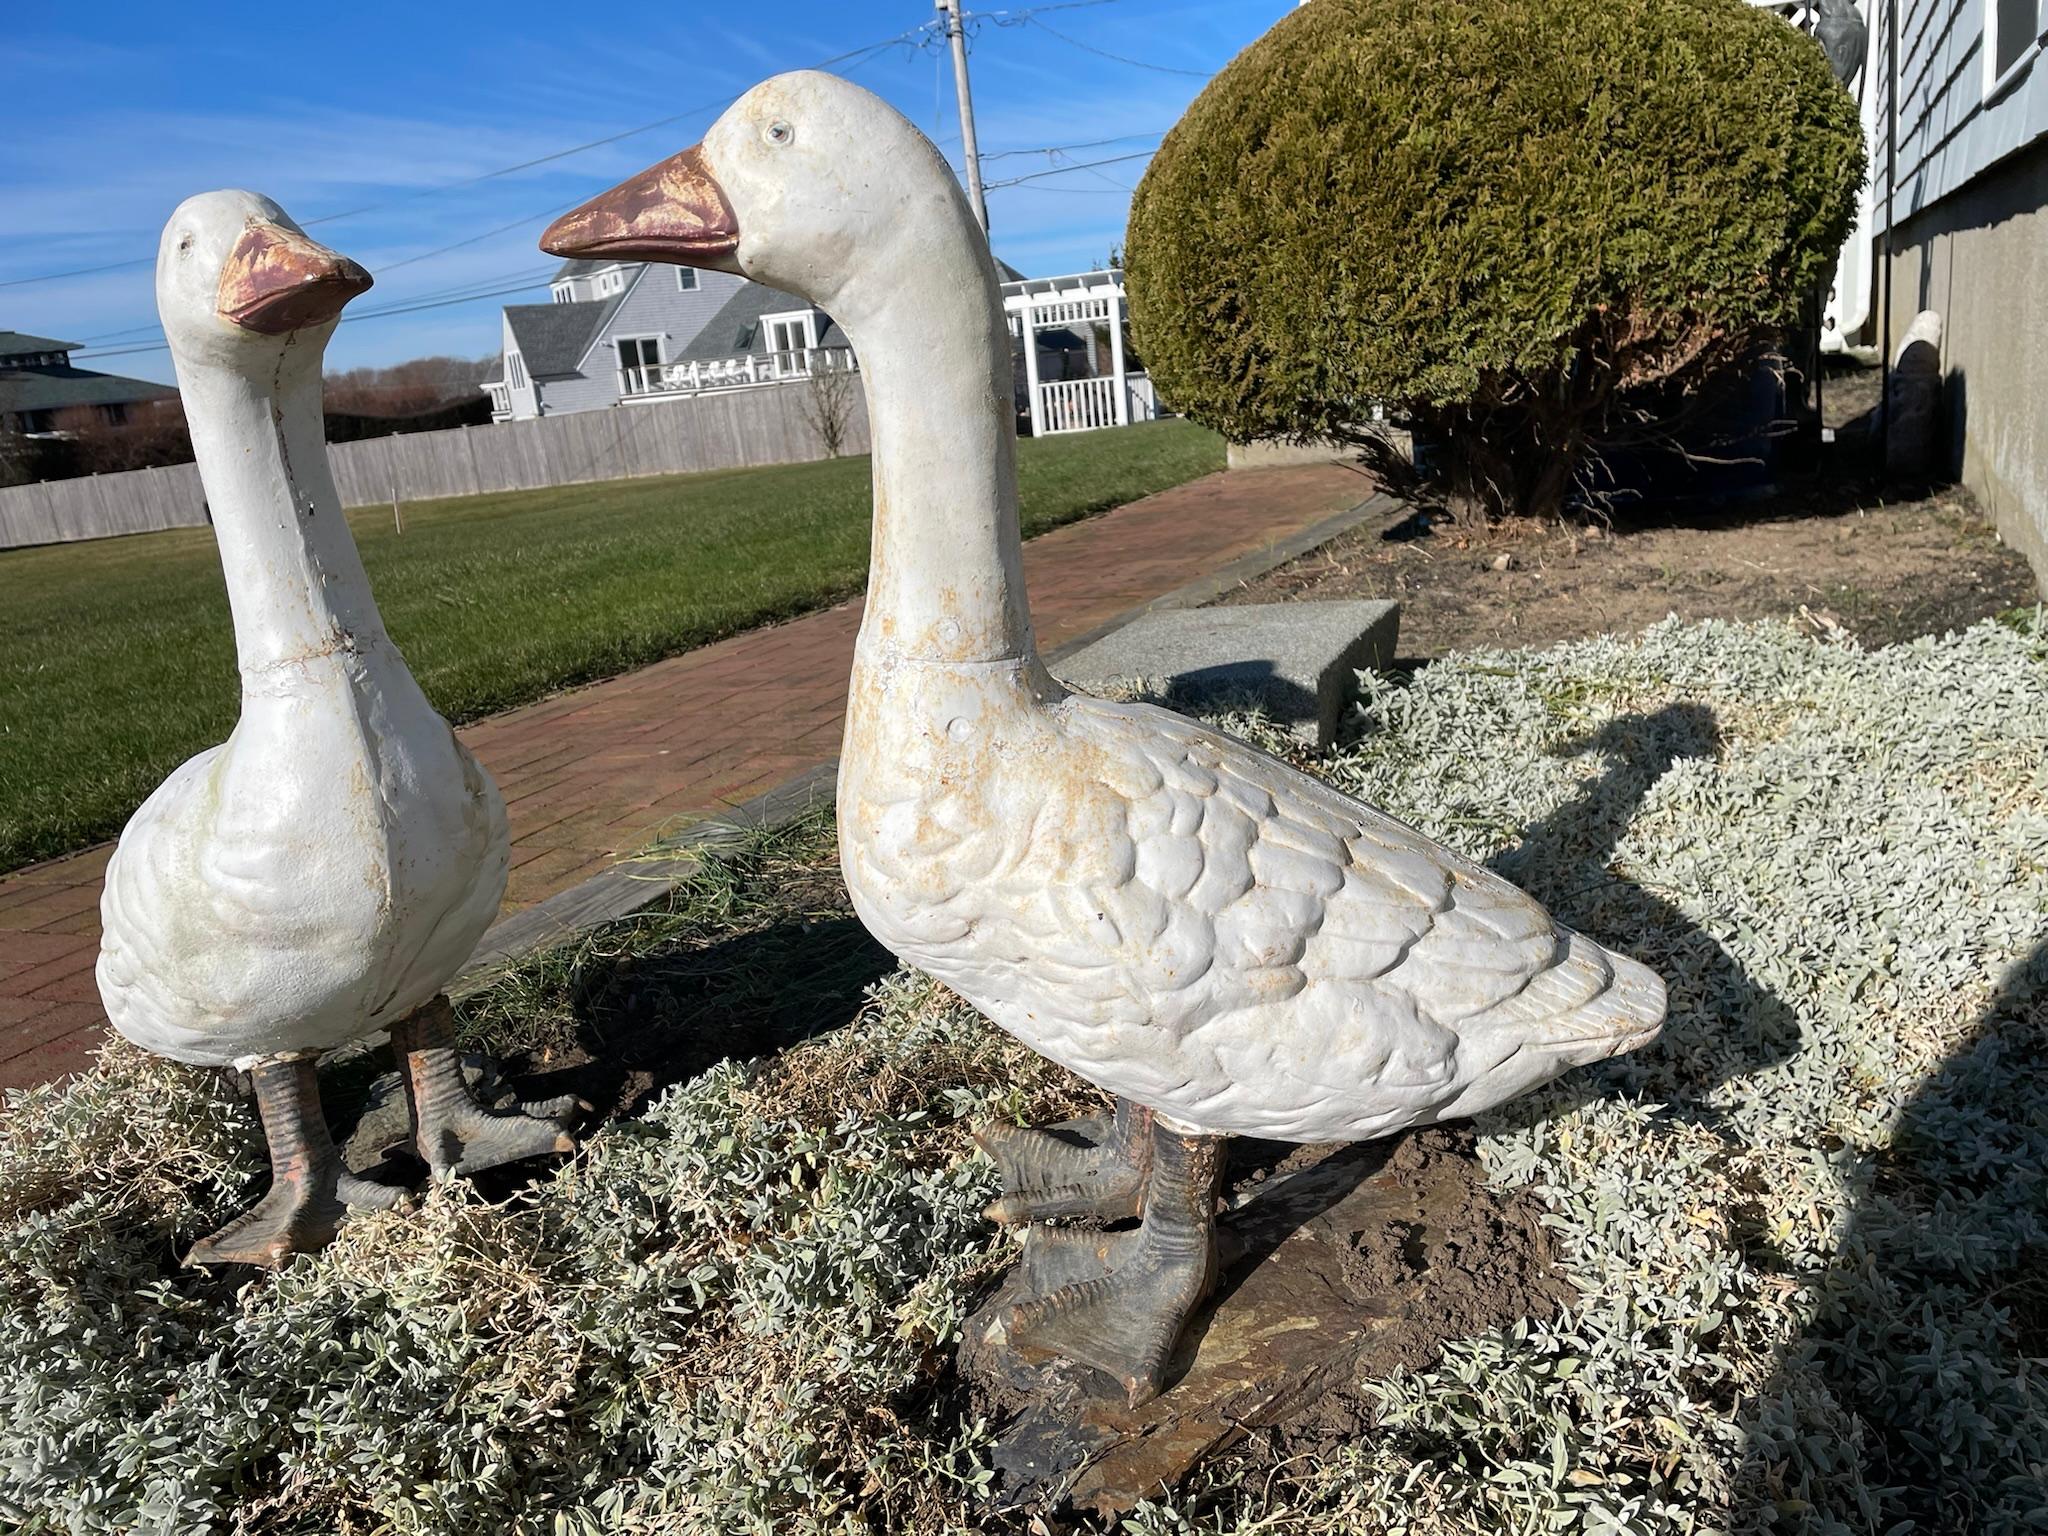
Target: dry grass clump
1807	1227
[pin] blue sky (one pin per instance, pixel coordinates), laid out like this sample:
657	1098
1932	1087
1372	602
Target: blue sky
379	111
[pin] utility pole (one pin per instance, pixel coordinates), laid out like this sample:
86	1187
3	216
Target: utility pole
950	9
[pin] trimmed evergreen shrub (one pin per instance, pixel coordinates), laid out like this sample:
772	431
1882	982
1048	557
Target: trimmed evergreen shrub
1517	221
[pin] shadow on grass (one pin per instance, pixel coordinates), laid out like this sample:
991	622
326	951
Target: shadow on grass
756	953
1722	1025
1931	1327
649	1021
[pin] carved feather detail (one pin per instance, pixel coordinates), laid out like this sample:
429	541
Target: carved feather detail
1189	922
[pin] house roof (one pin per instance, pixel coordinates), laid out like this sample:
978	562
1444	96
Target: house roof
58	388
576	266
552	338
15	343
736	330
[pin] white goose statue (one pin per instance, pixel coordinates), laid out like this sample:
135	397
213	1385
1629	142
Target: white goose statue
1226	945
317	878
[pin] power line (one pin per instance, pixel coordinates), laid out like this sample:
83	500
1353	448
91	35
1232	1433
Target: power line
610	138
376	314
1103	53
1061	170
1073	191
1060	149
910	35
522	279
1014	18
489	234
527	273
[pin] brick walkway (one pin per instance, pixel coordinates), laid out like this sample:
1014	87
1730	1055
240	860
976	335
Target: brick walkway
603	770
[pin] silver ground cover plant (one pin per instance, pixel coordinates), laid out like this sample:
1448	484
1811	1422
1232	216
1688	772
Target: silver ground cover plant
1807	1227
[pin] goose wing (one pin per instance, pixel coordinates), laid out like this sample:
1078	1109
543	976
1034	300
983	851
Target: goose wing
1288	886
1186	920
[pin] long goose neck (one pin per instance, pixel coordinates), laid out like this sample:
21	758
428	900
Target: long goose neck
945	578
296	584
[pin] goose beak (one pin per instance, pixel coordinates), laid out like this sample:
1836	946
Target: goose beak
276	281
674	211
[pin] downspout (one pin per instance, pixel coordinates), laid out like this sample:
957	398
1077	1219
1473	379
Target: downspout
1891	178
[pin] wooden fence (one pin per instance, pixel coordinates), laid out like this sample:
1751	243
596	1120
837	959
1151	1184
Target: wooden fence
670	436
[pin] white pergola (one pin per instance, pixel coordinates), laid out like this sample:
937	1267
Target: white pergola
1081	299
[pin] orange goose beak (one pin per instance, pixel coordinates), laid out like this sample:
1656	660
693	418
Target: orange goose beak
276	281
674	211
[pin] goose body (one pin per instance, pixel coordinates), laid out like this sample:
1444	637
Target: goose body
1194	925
327	868
1225	944
319	876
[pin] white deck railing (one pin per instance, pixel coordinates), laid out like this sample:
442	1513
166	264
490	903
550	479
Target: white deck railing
702	377
1078	405
1084	405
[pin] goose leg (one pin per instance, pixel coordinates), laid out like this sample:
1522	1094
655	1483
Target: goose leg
310	1189
1119	1301
452	1132
1094	1167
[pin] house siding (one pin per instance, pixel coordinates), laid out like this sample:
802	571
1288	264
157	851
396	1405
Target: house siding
1970	241
1980	258
1949	133
653	306
523	400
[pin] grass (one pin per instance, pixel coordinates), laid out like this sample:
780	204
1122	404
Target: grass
1806	1227
117	662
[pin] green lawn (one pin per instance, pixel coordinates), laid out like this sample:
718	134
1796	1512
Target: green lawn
117	662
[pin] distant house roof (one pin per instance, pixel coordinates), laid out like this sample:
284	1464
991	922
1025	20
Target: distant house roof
1008	273
59	387
552	338
16	343
736	330
578	267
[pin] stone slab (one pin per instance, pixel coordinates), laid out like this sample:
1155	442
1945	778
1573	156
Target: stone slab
1294	659
1277	453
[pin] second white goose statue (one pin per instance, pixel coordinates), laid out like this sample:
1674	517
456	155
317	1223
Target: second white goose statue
318	877
1226	945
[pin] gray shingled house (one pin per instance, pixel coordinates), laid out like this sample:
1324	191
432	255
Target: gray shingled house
612	328
630	333
38	383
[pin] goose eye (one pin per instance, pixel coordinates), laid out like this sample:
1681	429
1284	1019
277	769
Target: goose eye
778	133
184	245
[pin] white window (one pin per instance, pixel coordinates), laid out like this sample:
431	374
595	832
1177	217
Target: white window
639	363
2012	36
790	337
793	332
515	370
564	295
686	279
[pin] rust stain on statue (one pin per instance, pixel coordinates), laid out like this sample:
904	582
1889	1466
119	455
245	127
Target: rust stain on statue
673	210
276	281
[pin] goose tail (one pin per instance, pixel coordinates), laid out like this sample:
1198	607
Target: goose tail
1591	1003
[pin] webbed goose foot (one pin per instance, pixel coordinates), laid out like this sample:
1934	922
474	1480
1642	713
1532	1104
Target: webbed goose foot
1092	1168
452	1132
311	1191
1120	1301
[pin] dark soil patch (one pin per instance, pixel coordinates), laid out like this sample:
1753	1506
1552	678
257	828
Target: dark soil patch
1342	1265
1833	552
1884	572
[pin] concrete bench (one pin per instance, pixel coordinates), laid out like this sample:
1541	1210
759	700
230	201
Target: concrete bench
1294	659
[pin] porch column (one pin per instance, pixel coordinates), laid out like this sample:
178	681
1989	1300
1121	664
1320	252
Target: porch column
1028	317
1116	355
